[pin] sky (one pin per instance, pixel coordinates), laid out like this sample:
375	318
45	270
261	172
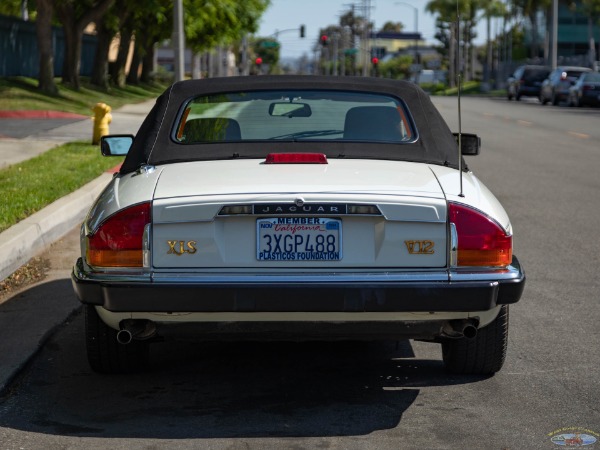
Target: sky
317	14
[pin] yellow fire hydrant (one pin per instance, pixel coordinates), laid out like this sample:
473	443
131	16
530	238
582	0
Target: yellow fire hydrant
102	117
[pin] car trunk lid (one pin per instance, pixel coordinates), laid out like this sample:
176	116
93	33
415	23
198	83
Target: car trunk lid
375	214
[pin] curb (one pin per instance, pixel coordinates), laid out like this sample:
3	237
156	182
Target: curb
35	234
40	114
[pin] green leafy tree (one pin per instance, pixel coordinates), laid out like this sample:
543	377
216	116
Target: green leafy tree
447	12
213	23
392	27
75	16
397	68
209	23
491	8
13	8
267	49
153	25
592	7
530	10
354	24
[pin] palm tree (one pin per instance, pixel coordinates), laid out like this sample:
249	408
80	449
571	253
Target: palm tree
491	8
530	9
449	11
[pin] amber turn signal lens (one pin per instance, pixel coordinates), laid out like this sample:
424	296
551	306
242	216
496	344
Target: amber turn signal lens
118	242
481	240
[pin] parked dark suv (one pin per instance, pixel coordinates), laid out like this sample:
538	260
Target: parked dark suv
556	87
526	81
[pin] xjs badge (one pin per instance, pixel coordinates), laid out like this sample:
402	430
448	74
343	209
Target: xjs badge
180	247
420	247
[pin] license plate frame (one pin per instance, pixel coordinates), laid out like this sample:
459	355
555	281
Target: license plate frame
298	239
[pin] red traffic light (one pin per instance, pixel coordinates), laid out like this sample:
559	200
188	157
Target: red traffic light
324	39
258	61
375	60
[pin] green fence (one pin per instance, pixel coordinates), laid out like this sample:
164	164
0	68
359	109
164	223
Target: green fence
19	51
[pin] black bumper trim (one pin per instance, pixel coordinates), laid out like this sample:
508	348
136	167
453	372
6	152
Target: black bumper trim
299	297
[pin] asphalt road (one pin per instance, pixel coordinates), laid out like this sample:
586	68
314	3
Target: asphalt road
542	163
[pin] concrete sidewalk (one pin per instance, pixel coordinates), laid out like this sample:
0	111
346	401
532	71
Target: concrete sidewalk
33	235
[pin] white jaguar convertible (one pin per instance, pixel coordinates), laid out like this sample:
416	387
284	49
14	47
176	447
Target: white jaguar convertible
296	208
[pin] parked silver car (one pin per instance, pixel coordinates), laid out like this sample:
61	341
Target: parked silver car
555	88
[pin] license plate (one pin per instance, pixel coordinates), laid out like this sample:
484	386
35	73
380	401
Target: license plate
299	239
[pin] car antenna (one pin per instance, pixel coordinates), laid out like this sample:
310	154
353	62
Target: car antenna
459	82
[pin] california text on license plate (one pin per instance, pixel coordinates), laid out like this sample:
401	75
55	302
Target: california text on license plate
299	239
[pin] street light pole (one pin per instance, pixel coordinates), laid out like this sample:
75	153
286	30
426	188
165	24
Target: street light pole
178	40
554	47
416	10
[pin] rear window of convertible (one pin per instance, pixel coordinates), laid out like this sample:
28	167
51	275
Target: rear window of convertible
294	115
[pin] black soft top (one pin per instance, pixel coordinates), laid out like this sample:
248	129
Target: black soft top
154	143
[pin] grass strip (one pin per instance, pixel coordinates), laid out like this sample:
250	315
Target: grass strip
31	185
21	93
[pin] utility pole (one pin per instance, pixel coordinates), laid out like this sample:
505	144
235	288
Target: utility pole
554	37
452	56
366	50
178	40
416	11
336	37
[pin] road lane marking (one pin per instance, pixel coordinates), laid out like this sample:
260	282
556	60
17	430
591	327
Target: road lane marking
579	135
524	123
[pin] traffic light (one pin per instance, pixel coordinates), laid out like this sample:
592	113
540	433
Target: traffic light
302	31
258	61
324	40
375	62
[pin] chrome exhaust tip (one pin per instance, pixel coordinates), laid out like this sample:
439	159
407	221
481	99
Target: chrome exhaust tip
124	337
138	329
469	331
458	329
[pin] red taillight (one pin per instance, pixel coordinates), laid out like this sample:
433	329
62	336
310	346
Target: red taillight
118	240
481	241
296	158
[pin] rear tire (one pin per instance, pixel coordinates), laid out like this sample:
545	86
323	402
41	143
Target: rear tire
482	355
105	354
